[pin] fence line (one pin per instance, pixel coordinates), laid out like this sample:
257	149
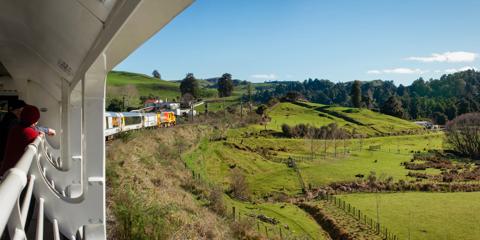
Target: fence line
356	213
263	227
267	229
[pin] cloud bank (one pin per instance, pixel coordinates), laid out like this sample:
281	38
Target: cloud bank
398	71
447	57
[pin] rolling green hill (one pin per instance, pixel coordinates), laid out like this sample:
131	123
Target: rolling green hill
360	121
134	85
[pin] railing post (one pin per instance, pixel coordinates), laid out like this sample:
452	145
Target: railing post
40	217
27	200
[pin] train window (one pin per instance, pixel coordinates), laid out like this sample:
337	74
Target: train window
133	120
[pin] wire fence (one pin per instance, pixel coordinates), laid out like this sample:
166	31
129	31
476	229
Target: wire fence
374	225
335	148
269	227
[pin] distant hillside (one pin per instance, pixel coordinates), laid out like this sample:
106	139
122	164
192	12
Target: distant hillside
438	99
362	121
134	85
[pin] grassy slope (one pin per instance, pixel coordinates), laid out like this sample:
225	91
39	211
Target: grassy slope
145	85
133	85
213	159
424	215
299	223
145	197
319	115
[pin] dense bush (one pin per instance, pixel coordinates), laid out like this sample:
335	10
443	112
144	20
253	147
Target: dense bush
463	135
330	131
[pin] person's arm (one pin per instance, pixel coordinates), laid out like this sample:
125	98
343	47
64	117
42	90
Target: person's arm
47	131
41	129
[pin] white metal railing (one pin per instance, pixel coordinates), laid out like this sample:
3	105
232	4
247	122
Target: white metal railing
15	207
11	215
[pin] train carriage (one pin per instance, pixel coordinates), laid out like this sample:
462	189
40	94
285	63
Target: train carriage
113	123
150	120
132	121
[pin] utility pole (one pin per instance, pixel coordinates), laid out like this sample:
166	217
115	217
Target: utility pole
123	103
191	110
241	110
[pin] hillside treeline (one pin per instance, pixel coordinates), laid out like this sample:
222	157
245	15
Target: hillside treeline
437	99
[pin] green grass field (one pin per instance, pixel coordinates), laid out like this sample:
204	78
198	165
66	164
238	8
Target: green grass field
124	83
299	223
418	215
361	121
213	160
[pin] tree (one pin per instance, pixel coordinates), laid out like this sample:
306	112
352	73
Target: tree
356	94
261	109
156	74
115	105
225	85
190	85
439	118
367	99
463	135
292	96
249	92
393	107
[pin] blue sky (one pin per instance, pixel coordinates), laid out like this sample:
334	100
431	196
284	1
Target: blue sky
340	40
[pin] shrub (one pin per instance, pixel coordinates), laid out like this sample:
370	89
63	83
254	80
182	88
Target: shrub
287	130
261	109
463	135
217	204
238	185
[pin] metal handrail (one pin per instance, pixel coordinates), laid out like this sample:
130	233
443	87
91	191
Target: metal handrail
14	182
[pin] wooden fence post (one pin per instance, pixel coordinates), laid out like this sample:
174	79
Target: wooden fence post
233	212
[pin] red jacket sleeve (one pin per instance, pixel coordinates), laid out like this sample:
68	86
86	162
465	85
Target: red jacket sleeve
30	134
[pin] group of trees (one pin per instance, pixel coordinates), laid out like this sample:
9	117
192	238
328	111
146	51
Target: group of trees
330	131
437	99
225	85
190	85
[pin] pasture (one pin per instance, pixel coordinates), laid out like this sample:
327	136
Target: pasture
292	220
420	215
265	175
357	121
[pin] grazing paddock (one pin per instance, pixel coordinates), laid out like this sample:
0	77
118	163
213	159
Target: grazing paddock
293	221
358	121
256	157
419	215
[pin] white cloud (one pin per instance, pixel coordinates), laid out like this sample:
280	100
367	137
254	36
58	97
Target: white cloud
270	76
447	57
374	72
398	71
453	70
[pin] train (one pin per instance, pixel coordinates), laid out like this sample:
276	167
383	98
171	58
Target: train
116	122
